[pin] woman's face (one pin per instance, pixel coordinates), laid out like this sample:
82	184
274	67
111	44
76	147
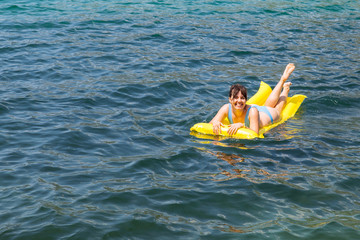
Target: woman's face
238	101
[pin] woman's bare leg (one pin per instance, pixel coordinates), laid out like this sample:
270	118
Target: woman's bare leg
274	97
283	96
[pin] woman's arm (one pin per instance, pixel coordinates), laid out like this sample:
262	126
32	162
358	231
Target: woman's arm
254	119
219	117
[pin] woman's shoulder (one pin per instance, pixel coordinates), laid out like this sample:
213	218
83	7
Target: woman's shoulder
252	110
225	107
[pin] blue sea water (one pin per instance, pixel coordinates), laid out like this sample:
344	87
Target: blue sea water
97	99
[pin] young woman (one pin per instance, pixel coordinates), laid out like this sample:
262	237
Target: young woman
252	116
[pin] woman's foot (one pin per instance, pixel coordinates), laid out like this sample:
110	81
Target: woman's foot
288	70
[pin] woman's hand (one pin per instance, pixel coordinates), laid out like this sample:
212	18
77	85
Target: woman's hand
217	127
234	127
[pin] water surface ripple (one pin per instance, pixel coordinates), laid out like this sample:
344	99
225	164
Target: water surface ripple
97	99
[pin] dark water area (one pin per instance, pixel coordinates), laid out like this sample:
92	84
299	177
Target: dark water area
97	99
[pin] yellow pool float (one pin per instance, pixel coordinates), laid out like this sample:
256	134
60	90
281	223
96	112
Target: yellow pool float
292	105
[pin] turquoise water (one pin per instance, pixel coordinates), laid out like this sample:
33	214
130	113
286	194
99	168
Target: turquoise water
98	97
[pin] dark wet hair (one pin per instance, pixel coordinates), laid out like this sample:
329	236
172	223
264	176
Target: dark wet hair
235	89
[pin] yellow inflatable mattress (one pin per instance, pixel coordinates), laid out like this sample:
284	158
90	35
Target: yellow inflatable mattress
292	105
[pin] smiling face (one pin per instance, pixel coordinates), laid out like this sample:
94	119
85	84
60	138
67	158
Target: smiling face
238	96
238	102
